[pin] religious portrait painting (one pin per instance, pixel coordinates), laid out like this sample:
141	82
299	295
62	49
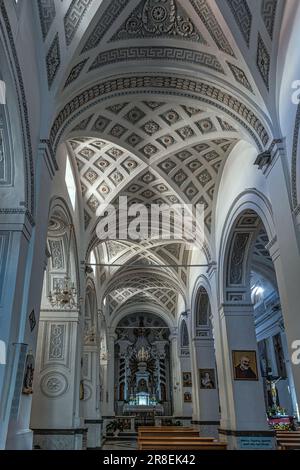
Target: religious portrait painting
187	379
187	397
207	379
244	365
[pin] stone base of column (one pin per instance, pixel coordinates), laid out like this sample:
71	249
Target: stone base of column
94	434
248	440
207	428
60	439
21	440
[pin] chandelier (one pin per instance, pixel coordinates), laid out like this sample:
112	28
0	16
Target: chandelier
65	295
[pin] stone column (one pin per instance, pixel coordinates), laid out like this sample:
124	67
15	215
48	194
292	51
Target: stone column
14	245
56	382
175	374
205	400
91	399
243	413
22	261
110	392
284	250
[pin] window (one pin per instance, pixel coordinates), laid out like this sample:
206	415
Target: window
184	335
70	182
93	262
2	92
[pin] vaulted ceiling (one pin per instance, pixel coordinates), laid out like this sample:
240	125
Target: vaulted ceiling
151	97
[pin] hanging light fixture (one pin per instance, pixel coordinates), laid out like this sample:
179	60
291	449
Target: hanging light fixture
65	296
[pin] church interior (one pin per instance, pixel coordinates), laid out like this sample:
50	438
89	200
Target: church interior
124	342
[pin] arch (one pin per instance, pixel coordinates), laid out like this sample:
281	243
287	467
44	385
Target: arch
184	335
247	214
199	91
142	309
60	211
17	119
201	283
91	326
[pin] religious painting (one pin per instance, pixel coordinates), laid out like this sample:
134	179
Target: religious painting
207	379
244	365
187	397
187	379
28	375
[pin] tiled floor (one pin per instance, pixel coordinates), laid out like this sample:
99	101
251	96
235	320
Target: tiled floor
120	445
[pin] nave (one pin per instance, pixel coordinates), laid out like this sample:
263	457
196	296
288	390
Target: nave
149	222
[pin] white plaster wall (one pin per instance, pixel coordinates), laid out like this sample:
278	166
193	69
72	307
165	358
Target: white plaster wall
239	174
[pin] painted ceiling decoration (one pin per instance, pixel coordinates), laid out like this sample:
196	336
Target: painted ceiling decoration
156	135
154	19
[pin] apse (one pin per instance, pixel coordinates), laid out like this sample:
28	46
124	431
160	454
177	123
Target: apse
142	366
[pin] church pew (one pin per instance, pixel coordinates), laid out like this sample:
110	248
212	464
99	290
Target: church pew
160	444
288	440
165	432
289	445
162	428
287	433
176	438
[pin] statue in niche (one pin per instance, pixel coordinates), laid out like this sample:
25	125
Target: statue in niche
90	334
142	386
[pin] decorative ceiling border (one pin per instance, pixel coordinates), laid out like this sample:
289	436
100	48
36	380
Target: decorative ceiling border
168	85
179	54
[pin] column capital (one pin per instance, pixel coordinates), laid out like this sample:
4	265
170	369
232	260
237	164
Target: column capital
296	214
267	159
273	248
236	309
46	152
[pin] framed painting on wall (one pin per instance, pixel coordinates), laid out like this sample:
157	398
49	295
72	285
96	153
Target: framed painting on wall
187	379
187	397
244	365
207	379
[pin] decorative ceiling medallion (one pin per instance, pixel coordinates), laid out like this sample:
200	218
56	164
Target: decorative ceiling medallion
155	19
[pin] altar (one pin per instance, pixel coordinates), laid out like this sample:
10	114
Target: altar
143	403
138	409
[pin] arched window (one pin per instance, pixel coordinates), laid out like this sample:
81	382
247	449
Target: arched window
184	338
70	182
5	154
203	310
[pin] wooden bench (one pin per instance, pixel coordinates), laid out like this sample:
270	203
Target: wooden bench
164	428
176	438
165	433
179	444
288	440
